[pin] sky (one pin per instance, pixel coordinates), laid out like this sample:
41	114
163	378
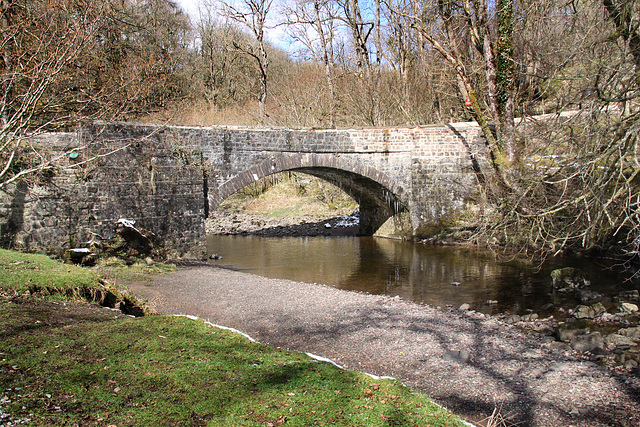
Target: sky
190	6
276	36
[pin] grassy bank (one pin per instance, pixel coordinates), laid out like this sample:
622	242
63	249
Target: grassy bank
71	363
39	276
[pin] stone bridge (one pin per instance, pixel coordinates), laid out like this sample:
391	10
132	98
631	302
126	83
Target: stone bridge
169	178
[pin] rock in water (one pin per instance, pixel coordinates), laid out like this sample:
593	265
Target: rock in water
573	277
628	308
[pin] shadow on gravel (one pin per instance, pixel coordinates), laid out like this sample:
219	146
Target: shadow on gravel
473	367
470	363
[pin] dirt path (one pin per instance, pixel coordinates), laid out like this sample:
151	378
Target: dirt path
467	362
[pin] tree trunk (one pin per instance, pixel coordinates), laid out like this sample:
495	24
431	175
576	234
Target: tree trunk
326	62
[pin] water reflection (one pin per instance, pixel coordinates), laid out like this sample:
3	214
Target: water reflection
434	275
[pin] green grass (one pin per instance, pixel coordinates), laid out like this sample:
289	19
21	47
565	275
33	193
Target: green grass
70	363
22	273
115	270
165	370
39	275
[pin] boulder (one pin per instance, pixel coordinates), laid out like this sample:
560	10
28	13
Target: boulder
627	308
586	296
137	239
633	332
618	340
131	243
584	312
587	342
573	277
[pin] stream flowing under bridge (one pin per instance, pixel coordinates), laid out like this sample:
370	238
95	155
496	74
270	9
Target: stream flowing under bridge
169	178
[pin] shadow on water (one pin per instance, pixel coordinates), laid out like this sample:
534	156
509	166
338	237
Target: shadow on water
439	276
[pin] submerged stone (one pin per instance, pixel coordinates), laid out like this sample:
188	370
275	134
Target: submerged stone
573	277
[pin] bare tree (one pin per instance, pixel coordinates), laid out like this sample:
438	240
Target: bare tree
317	15
36	57
65	61
580	184
225	76
253	14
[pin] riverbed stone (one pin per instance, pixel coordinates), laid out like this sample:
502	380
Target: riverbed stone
548	307
586	296
633	332
587	342
599	308
465	307
617	340
631	295
566	333
460	356
628	308
512	318
558	346
584	312
573	277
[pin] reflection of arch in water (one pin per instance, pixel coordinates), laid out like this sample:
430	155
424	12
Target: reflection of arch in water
378	196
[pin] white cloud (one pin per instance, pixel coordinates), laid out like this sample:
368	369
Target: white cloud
190	6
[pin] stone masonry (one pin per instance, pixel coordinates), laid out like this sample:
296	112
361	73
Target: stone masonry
168	178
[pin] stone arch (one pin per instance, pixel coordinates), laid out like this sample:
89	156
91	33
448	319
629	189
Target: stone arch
379	197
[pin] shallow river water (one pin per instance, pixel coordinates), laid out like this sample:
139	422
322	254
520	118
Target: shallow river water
435	275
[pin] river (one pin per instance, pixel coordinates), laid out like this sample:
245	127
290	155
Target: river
435	275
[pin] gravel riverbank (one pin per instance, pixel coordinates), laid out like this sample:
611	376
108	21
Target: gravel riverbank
238	223
470	363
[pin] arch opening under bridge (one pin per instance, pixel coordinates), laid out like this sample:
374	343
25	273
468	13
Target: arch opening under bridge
379	199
